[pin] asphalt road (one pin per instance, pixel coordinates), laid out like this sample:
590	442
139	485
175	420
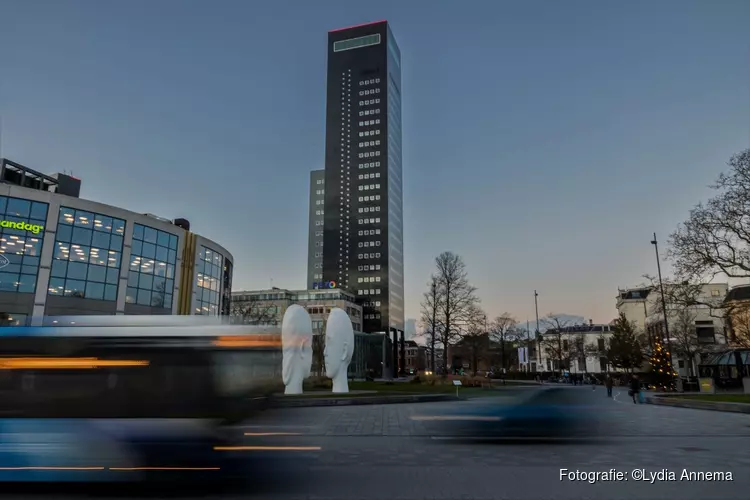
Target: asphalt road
382	452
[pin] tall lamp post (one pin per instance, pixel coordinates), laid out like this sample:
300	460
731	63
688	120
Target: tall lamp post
536	334
663	306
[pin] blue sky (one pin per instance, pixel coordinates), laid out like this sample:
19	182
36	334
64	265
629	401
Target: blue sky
544	141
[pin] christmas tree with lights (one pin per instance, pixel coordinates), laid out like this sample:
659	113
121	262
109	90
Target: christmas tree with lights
661	368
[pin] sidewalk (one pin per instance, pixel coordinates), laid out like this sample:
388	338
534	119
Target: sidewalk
677	400
303	402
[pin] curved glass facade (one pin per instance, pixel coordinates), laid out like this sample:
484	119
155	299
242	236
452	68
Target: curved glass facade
87	256
102	260
22	224
153	256
210	277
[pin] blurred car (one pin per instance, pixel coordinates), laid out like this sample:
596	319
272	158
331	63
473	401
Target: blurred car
543	413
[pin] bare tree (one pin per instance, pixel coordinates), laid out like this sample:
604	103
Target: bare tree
504	329
254	312
687	297
458	299
684	337
430	321
578	350
554	340
600	350
738	323
679	293
716	237
474	337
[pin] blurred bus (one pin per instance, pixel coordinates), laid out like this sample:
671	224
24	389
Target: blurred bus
150	396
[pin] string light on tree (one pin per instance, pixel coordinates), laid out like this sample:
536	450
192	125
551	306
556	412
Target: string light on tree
661	368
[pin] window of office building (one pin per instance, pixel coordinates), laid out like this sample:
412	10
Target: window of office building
21	235
210	265
153	257
88	251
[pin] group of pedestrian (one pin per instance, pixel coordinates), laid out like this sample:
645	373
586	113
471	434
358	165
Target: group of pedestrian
634	390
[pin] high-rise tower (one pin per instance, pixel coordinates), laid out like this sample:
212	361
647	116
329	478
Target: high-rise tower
363	228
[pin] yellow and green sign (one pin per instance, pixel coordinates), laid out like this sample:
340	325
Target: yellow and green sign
22	226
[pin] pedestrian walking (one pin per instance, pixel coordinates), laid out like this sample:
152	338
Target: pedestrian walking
635	389
609	383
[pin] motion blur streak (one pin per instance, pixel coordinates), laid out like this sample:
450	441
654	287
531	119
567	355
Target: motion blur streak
51	468
268	341
127	469
547	413
148	398
267	448
63	363
258	434
469	418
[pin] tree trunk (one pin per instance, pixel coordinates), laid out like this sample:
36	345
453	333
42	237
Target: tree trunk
432	351
502	351
445	357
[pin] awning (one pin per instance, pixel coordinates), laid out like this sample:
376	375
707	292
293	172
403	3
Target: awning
727	358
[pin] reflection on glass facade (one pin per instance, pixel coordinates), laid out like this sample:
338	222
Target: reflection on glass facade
21	235
153	257
88	254
395	184
210	276
11	319
226	298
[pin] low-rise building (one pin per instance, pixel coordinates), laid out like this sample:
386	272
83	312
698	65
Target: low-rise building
267	307
372	352
578	349
695	331
416	357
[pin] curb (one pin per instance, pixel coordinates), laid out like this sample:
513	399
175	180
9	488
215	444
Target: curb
375	400
699	405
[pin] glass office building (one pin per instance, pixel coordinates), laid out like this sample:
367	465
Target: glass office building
362	213
64	256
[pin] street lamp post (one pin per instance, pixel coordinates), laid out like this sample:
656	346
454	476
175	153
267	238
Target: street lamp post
663	306
536	334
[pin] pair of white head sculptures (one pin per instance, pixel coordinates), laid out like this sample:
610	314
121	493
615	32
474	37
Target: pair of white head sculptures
296	343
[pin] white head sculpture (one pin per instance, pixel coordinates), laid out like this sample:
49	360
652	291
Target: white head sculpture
339	349
296	343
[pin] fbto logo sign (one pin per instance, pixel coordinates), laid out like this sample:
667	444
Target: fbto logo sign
22	226
324	285
3	261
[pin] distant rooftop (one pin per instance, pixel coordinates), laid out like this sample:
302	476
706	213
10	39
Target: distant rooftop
285	294
60	183
357	26
20	175
589	328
